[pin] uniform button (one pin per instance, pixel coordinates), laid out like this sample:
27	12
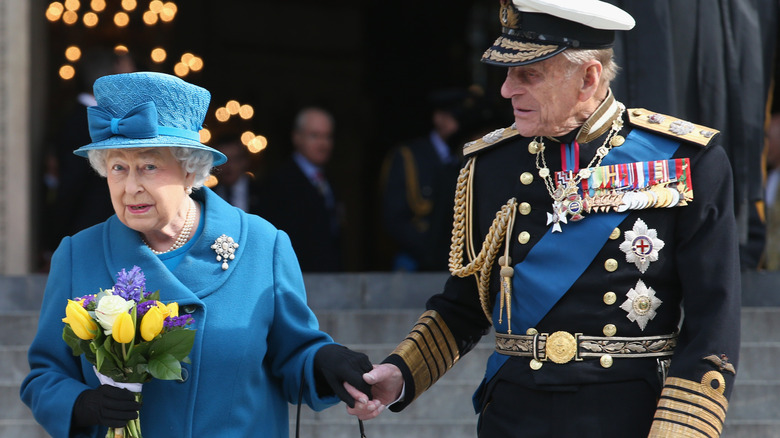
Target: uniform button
189	308
610	298
637	112
606	361
527	178
533	147
535	364
531	331
615	234
611	265
524	208
185	375
523	237
609	330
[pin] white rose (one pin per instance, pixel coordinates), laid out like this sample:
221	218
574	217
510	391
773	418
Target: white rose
108	308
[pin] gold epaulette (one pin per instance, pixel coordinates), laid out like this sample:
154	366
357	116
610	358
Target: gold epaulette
671	126
429	351
691	409
488	140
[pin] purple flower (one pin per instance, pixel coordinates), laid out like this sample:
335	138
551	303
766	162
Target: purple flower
86	300
144	307
130	285
177	321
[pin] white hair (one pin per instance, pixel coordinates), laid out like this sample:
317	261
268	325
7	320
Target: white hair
192	160
605	56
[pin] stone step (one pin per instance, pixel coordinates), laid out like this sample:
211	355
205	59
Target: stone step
760	324
18	328
21	429
13	364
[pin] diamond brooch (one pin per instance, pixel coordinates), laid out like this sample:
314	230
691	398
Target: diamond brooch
225	247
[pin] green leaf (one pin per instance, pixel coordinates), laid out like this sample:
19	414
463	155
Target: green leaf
165	367
72	340
176	343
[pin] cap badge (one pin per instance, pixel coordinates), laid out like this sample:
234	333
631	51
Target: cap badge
641	245
641	304
508	14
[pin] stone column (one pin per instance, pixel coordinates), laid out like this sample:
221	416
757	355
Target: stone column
15	145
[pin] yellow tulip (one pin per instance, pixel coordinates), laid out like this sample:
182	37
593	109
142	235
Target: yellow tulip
79	320
173	308
163	309
152	323
123	330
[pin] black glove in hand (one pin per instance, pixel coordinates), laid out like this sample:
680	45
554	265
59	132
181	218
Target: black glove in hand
107	405
335	364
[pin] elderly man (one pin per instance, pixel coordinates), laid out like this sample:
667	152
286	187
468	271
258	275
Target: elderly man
599	243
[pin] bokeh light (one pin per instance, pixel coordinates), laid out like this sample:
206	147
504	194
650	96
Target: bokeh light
98	5
233	107
159	55
156	6
181	69
73	53
70	17
121	19
205	135
54	11
246	137
90	19
67	72
129	5
72	5
150	18
222	114
246	112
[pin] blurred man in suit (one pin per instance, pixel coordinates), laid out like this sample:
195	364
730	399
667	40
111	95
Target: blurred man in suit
298	198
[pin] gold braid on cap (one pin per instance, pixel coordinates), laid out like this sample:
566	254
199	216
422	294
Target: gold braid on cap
691	409
480	264
429	351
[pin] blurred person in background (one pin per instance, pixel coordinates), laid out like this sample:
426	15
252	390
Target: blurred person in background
298	198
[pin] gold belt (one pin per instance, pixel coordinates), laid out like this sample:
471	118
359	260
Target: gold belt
562	347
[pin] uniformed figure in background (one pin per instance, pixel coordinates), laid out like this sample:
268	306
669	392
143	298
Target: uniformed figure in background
602	241
418	177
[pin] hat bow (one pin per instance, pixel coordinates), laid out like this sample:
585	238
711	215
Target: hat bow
139	122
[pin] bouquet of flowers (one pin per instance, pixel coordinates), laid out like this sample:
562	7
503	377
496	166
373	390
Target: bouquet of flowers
129	337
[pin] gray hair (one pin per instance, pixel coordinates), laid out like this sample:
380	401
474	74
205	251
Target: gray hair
303	114
604	56
192	160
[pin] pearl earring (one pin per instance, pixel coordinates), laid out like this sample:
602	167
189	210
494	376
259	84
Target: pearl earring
188	190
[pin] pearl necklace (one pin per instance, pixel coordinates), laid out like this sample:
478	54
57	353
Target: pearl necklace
184	234
566	199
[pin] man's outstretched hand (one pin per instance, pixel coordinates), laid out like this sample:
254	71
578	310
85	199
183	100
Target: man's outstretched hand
386	383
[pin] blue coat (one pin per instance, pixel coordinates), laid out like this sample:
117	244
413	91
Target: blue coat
255	333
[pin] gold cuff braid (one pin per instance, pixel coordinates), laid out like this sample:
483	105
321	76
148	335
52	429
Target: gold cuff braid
690	409
429	351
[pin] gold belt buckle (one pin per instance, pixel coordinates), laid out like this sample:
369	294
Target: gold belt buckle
560	347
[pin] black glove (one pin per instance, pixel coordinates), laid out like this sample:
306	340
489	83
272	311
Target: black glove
107	405
335	364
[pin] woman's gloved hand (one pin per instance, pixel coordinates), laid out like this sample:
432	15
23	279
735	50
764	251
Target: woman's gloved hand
106	405
335	364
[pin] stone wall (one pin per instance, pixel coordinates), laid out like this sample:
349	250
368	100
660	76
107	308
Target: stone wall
15	165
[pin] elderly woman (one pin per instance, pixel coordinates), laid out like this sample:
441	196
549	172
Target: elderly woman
257	344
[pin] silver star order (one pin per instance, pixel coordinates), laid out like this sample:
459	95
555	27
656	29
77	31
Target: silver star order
557	216
641	304
641	245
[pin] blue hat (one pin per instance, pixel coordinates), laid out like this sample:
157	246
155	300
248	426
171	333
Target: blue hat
146	109
535	30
